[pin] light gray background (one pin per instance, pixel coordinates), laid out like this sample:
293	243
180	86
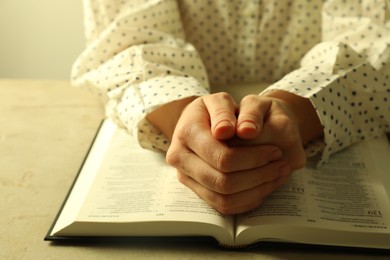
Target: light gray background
40	39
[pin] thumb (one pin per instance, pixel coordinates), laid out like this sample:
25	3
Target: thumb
222	111
253	110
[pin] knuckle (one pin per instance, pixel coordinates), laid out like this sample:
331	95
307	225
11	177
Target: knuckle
181	177
223	184
222	96
283	121
226	205
216	97
252	98
223	160
252	106
172	157
176	149
184	132
223	204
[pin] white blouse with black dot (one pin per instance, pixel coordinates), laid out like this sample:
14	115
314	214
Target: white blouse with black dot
142	54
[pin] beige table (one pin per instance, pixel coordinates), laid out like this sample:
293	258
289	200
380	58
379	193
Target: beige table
46	128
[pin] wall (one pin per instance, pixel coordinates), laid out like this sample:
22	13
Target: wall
40	39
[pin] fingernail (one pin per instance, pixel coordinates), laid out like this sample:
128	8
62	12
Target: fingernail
248	125
276	155
284	170
224	123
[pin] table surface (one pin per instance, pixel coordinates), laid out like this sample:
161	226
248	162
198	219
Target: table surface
46	128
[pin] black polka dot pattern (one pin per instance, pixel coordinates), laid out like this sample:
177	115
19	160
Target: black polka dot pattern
142	54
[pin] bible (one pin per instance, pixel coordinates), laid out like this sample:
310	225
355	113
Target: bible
125	191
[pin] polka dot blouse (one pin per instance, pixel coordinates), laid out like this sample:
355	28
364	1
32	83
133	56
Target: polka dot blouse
142	54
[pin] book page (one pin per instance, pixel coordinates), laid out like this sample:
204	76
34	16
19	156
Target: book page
347	194
136	185
84	180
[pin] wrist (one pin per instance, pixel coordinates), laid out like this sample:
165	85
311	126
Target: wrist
304	112
166	117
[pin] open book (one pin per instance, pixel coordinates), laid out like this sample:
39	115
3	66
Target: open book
123	190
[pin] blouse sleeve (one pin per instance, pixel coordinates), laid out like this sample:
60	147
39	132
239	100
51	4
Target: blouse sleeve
136	58
346	76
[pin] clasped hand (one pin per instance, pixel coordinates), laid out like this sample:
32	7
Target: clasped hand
233	156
